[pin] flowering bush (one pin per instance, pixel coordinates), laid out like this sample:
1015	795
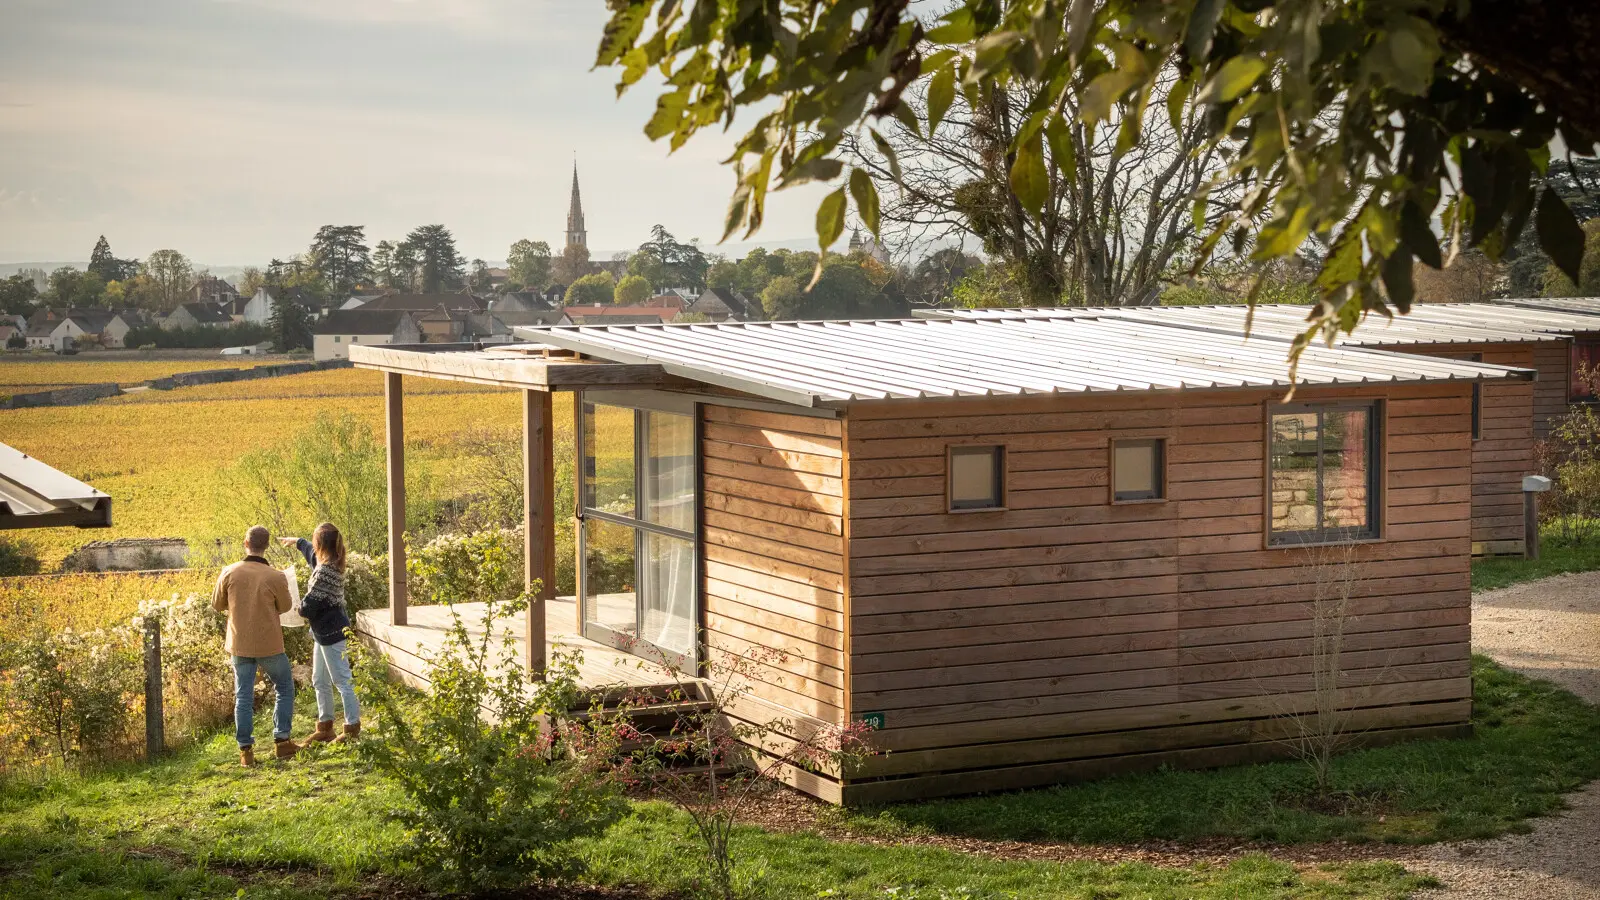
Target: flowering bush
463	568
196	682
68	694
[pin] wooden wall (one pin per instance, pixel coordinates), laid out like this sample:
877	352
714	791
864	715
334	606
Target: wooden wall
1505	452
1553	360
1067	637
773	554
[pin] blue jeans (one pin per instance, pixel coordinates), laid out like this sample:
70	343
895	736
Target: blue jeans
244	696
330	668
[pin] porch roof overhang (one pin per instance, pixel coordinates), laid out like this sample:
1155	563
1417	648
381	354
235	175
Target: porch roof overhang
534	367
34	495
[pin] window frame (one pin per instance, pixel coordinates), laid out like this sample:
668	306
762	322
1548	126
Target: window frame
998	452
1159	492
1377	476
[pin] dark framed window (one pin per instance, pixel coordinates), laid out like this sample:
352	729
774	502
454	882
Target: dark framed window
1323	476
1138	469
1582	358
977	477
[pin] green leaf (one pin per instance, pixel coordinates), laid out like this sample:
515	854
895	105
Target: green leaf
1234	78
959	28
1559	233
1202	25
824	169
1029	180
1104	91
1080	27
888	154
1404	55
1178	101
1397	278
866	196
1285	233
1417	234
1063	152
941	93
830	218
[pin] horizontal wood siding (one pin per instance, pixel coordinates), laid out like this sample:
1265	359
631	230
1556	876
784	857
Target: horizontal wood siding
1505	451
1553	361
774	556
1067	627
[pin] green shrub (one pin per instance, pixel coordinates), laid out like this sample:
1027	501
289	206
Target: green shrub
196	680
493	803
465	568
331	471
69	694
366	582
17	557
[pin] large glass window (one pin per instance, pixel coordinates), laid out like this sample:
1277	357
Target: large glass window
639	498
1324	476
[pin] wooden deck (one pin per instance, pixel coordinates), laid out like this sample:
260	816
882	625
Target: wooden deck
408	646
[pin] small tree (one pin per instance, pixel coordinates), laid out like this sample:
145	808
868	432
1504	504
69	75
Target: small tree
1571	459
1316	735
692	766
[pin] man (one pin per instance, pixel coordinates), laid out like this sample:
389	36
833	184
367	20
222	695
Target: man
254	595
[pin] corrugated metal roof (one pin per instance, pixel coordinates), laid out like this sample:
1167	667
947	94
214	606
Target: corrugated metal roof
33	495
834	363
1580	305
1434	323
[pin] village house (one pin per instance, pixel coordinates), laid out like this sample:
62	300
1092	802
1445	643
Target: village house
718	305
1023	551
196	315
620	315
334	334
213	290
258	309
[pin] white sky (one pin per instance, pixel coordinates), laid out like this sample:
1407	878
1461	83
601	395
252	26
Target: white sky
231	129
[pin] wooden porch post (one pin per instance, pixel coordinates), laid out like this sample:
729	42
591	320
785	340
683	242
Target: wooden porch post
395	432
538	517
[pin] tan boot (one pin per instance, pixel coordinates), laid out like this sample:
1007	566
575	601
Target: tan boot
323	734
285	749
247	756
352	730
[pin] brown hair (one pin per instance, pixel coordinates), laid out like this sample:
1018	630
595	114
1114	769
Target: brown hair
329	545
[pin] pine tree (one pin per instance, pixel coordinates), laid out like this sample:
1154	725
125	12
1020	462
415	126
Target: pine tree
289	325
101	262
340	254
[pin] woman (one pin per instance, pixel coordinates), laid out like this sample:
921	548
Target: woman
324	610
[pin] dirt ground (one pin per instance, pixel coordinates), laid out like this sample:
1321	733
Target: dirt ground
1547	629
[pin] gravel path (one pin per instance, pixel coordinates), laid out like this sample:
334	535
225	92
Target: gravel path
1547	629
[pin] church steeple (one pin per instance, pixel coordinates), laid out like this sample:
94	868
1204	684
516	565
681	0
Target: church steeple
575	231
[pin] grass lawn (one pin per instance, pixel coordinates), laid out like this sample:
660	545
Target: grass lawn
196	825
1554	559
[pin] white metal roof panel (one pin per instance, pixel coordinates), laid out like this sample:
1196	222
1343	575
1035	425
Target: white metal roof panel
34	495
834	363
1432	323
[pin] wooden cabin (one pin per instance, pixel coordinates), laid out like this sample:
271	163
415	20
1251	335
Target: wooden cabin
1026	551
1507	418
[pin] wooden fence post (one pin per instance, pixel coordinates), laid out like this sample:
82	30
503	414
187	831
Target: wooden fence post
1532	487
155	737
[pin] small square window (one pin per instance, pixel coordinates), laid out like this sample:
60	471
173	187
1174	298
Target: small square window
977	477
355	338
336	339
1136	469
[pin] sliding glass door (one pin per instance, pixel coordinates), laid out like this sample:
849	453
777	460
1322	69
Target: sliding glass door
637	534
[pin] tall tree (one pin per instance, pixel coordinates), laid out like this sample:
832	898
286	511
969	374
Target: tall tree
289	325
383	264
632	291
73	287
18	296
591	290
572	264
529	262
479	281
250	280
106	266
668	263
1359	124
340	255
439	266
171	276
